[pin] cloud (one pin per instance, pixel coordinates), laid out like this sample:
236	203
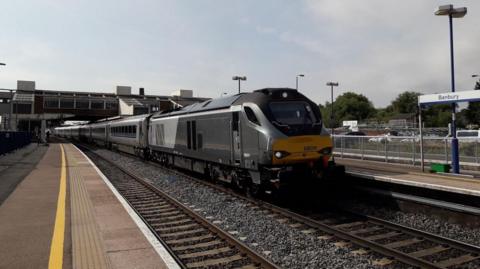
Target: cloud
265	30
393	47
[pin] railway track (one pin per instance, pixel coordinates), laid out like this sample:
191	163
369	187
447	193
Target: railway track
192	240
397	243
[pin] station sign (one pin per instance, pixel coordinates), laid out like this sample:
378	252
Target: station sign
449	97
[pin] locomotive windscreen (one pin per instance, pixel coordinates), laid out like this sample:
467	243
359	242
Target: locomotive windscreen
292	113
295	118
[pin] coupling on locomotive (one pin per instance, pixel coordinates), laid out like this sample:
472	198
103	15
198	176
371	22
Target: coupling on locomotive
257	141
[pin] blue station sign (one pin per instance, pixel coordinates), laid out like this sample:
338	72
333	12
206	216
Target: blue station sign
449	97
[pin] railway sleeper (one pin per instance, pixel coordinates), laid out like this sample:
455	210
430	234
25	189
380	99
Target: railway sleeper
215	262
184	233
190	239
203	253
203	245
173	223
457	261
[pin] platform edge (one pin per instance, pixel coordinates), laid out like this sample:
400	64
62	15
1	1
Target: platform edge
157	245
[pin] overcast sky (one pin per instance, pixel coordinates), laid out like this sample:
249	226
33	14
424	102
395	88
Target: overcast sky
378	47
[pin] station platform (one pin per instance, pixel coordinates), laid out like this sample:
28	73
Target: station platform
63	213
411	176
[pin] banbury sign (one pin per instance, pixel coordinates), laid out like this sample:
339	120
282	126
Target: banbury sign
449	97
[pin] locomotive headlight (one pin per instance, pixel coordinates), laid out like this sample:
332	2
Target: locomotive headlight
281	154
326	151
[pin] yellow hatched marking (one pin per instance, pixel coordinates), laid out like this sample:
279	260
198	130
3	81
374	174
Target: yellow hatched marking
56	248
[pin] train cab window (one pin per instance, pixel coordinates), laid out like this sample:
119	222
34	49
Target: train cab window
292	113
134	130
251	115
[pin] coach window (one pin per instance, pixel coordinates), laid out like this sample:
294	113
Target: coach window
251	115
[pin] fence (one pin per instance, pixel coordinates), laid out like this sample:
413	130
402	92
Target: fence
13	140
406	149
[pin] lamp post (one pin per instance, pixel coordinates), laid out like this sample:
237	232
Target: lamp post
11	105
477	84
239	79
332	84
296	80
451	12
10	111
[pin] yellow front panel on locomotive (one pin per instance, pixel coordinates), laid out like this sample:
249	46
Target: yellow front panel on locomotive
298	149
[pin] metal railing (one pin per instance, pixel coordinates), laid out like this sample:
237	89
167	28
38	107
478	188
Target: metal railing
406	149
10	141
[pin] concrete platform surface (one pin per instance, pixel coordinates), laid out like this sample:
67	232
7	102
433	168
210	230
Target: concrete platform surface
16	165
411	176
64	214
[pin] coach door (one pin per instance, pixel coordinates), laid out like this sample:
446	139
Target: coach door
237	143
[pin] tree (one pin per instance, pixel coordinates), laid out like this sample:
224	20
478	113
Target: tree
348	106
383	114
438	115
472	113
405	102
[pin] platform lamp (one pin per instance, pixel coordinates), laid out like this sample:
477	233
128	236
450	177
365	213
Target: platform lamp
296	80
451	12
332	84
239	78
477	84
11	105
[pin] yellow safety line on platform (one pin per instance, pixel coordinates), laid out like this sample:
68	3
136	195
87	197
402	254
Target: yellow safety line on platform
56	249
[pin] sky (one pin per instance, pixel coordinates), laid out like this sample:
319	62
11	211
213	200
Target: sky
378	48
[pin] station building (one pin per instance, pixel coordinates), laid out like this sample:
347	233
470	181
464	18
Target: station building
28	109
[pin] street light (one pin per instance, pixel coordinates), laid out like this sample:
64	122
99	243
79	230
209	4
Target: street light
239	79
296	80
451	12
332	84
477	84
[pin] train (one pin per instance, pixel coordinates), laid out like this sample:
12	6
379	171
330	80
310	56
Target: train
257	141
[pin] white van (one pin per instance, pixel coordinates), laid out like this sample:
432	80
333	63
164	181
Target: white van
468	134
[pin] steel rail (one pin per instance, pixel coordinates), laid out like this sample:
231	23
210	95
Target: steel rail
379	248
252	255
329	229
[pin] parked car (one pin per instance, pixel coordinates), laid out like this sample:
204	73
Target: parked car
357	133
468	134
